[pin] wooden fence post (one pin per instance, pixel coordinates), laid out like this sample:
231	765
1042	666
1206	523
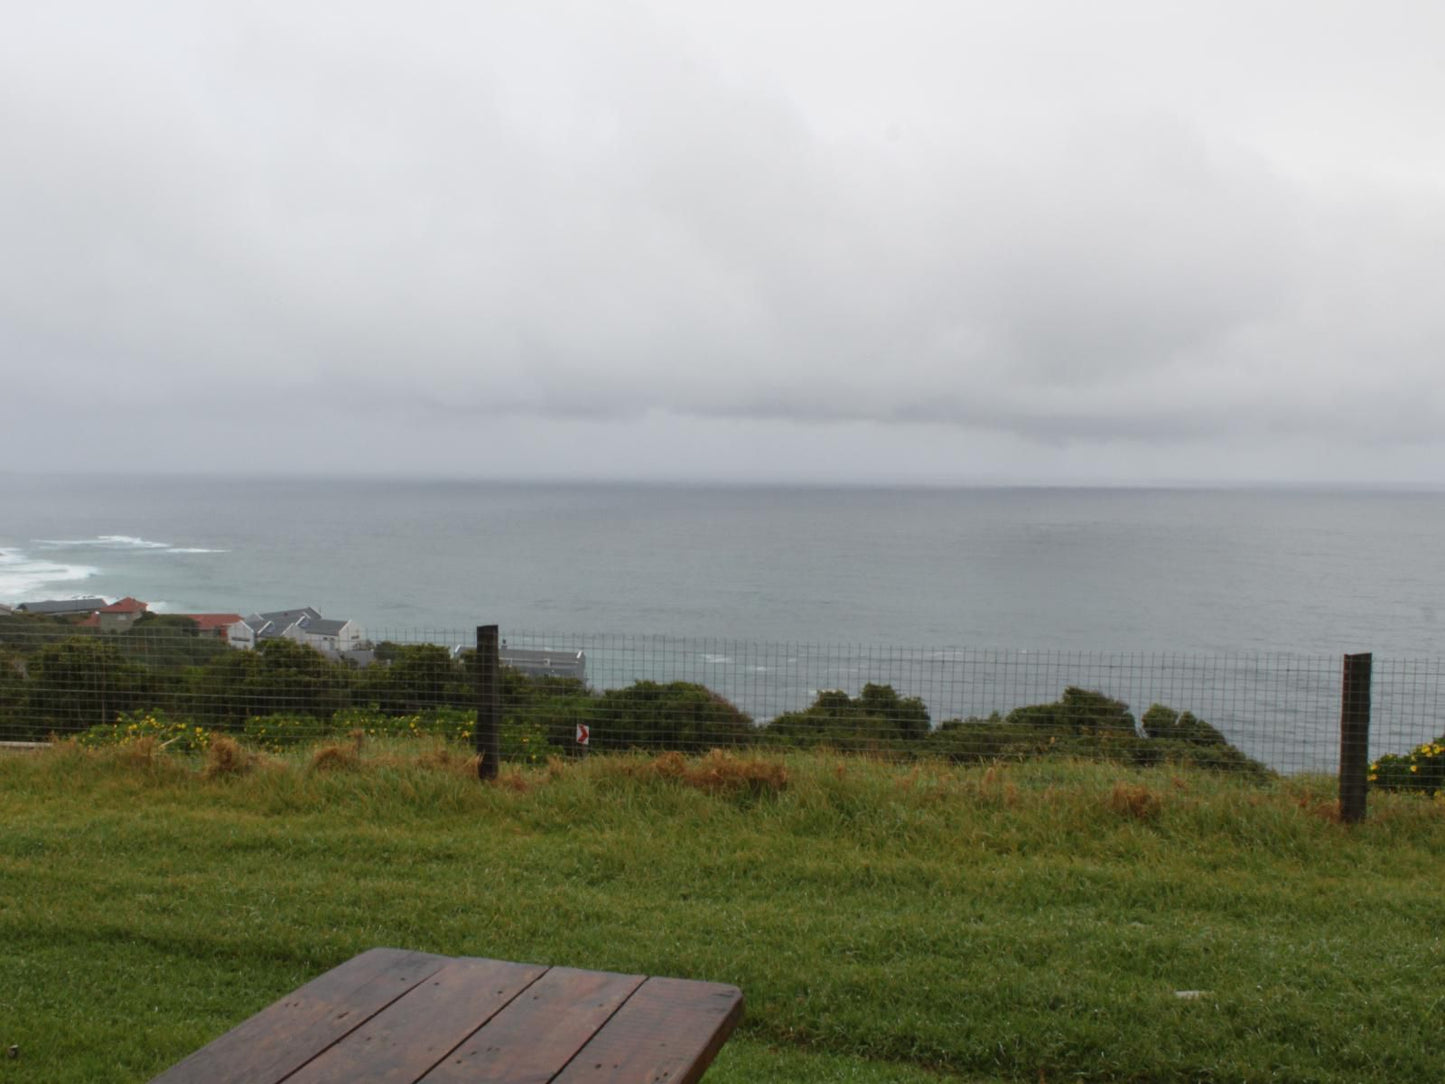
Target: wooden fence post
1354	737
487	737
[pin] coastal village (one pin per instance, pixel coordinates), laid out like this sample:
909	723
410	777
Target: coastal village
339	639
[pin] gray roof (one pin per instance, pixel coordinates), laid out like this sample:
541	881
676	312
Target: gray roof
273	624
287	618
62	606
536	655
540	663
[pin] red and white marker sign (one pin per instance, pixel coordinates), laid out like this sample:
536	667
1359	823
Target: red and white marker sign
584	732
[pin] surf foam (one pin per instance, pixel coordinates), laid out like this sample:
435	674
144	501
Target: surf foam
23	576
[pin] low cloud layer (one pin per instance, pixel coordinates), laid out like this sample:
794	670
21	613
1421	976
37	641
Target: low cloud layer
932	241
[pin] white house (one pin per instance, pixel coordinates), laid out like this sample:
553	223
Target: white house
306	626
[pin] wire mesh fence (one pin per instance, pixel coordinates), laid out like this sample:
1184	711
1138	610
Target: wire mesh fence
567	695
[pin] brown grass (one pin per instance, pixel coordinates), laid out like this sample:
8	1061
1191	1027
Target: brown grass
444	759
512	779
996	788
718	772
224	757
336	758
1137	802
1326	809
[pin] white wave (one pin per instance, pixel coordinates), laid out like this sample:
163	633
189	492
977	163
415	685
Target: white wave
716	660
132	542
123	542
23	576
106	541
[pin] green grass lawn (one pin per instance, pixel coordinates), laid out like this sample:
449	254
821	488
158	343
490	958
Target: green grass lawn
886	922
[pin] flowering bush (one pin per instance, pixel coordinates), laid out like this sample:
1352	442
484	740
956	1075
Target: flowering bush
277	732
133	725
522	742
1422	769
451	724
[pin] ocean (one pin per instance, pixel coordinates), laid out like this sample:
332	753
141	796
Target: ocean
1190	571
932	574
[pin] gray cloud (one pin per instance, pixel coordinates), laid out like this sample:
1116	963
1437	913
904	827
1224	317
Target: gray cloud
1073	237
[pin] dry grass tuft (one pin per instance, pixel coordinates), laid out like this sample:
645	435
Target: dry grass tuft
996	788
224	757
1136	802
1326	809
144	752
443	759
512	779
719	772
336	758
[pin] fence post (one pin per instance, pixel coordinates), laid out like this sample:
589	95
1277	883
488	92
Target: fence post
487	737
1354	737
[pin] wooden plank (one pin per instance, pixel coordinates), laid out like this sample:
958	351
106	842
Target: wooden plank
669	1031
535	1036
399	1044
281	1038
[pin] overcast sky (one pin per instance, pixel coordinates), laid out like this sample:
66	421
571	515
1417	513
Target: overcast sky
923	241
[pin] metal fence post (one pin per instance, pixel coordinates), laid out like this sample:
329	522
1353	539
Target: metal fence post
487	737
1354	737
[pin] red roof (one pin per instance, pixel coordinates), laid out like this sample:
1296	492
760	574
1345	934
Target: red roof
207	622
126	605
91	622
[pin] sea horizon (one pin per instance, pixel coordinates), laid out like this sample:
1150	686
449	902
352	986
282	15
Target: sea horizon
1198	569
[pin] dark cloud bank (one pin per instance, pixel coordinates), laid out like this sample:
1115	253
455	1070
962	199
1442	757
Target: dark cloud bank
931	242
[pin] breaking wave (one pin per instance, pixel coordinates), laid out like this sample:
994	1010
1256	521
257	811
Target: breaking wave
122	542
22	575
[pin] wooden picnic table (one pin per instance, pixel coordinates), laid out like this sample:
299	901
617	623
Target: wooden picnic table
397	1016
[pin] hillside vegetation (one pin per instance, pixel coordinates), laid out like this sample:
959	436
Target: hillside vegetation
887	921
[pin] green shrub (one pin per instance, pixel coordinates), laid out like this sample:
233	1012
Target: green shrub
1078	711
1090	725
646	715
83	682
877	720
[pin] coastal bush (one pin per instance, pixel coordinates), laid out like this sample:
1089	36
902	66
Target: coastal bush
285	694
876	720
300	679
414	677
1077	711
279	677
1164	722
169	641
647	715
975	741
12	695
1090	725
81	682
1422	770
